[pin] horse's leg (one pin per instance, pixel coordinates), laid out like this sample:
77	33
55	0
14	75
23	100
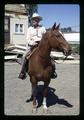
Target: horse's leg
45	93
34	92
31	97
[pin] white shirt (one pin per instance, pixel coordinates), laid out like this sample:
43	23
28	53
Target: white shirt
34	34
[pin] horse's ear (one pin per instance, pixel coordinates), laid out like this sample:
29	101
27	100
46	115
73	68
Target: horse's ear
58	26
54	26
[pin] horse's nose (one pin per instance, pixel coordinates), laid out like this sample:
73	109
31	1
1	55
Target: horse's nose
70	51
67	52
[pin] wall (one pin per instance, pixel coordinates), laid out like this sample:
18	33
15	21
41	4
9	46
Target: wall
73	38
14	37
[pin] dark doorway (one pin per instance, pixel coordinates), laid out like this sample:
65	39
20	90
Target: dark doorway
7	30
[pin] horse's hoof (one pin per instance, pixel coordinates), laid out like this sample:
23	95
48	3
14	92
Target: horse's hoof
45	109
34	110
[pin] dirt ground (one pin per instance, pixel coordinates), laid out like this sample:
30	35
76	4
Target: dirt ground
63	91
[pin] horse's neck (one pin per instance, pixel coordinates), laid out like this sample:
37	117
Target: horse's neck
44	48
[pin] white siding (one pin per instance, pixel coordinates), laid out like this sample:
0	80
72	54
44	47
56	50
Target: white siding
72	37
14	37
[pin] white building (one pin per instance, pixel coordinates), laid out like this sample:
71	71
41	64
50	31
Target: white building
15	24
73	38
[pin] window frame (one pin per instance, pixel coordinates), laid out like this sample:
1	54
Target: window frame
18	29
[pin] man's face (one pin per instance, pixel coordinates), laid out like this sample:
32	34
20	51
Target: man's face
35	21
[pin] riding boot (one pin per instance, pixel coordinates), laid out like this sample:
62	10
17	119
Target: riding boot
22	74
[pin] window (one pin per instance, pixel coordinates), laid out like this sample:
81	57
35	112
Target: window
19	28
16	27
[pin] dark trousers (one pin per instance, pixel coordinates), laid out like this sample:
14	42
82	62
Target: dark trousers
24	67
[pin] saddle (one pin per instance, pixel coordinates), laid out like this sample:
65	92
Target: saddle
33	49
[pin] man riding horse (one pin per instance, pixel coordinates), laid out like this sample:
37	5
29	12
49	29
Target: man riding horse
34	35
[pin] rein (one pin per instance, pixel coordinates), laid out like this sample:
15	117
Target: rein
28	57
54	60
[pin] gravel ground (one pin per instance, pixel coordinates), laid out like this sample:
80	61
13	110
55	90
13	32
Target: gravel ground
63	92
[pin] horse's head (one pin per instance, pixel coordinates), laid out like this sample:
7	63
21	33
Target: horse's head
57	41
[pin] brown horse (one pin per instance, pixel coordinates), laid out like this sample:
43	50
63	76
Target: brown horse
39	67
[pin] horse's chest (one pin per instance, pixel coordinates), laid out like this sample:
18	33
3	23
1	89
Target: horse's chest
39	67
45	62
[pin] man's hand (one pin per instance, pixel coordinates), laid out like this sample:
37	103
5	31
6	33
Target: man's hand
37	42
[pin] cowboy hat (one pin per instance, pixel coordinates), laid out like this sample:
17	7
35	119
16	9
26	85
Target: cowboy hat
36	15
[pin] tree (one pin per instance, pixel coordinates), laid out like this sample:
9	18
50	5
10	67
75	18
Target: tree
69	29
31	8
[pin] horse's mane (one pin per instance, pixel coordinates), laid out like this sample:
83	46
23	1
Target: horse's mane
48	29
45	36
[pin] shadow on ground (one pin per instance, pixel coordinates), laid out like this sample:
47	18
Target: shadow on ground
52	98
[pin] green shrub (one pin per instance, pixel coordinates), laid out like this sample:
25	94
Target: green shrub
75	48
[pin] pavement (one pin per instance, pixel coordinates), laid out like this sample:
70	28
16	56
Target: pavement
63	91
68	61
